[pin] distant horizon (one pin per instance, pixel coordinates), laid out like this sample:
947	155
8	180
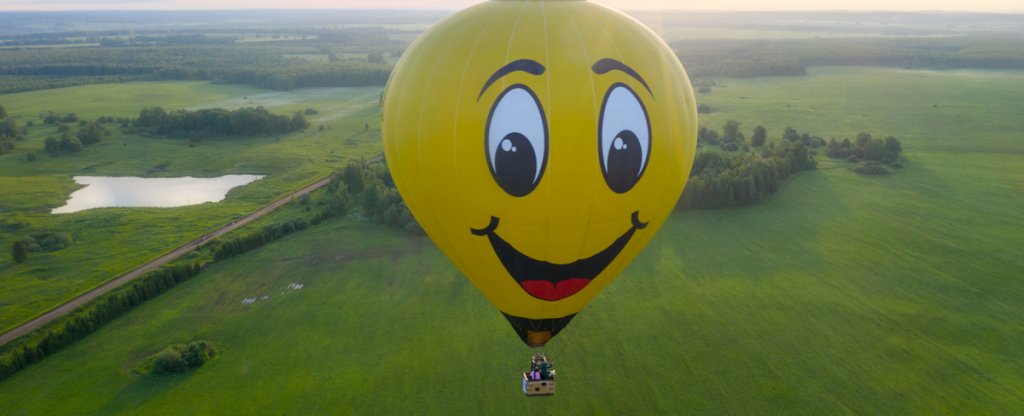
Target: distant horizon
979	6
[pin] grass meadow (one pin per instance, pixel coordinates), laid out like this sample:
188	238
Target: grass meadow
111	241
841	294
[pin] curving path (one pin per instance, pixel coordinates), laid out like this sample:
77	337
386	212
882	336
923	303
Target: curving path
73	304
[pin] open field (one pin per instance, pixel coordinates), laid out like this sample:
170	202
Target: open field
842	294
109	242
948	111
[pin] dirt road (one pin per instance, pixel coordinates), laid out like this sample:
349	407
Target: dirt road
73	304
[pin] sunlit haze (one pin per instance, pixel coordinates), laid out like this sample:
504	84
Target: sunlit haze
906	5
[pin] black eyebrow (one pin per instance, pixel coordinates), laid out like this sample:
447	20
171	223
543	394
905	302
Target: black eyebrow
607	65
526	65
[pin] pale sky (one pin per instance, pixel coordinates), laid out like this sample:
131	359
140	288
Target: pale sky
903	5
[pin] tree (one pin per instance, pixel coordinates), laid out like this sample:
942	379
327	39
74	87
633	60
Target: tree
353	178
299	121
790	134
71	144
759	136
863	139
19	252
3	112
91	133
731	130
376	58
892	145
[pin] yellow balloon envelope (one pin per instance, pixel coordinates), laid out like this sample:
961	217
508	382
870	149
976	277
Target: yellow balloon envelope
540	144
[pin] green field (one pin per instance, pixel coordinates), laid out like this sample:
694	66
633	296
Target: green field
112	241
842	294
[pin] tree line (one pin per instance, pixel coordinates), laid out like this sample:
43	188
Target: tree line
262	66
61	333
748	58
247	121
872	155
51	338
730	171
9	132
372	187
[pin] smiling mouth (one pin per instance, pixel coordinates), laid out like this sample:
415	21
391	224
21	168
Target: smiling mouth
550	281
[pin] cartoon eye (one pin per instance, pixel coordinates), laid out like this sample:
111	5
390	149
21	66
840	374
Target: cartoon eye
624	137
517	141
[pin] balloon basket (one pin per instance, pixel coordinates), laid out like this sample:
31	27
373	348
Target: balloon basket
538	387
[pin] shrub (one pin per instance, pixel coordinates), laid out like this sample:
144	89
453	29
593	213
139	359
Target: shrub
178	358
19	252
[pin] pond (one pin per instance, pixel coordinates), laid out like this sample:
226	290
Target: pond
106	191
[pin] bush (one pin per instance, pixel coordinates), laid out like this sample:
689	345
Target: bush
178	358
48	241
19	252
867	148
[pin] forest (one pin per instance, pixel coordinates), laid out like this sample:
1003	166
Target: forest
262	66
748	58
246	121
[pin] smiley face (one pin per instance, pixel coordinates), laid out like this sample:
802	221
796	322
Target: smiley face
540	144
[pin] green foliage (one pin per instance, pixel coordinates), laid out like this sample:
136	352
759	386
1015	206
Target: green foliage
381	202
731	131
721	179
298	122
865	147
353	178
245	121
67	144
177	358
752	58
759	136
129	237
3	112
334	204
9	133
19	252
55	336
91	133
31	69
48	241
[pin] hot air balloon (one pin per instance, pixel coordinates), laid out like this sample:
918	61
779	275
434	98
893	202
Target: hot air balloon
540	145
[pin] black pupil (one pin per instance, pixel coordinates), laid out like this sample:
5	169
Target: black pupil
515	164
624	159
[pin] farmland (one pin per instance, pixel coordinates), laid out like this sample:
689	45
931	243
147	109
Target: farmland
110	242
841	294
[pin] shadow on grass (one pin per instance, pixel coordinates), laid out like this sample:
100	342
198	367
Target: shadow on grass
140	391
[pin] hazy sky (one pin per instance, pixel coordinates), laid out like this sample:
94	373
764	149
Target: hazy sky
978	5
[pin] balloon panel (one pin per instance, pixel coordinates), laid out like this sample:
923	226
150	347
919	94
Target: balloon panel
540	145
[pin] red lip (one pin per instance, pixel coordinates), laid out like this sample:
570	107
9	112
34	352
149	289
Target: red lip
543	289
